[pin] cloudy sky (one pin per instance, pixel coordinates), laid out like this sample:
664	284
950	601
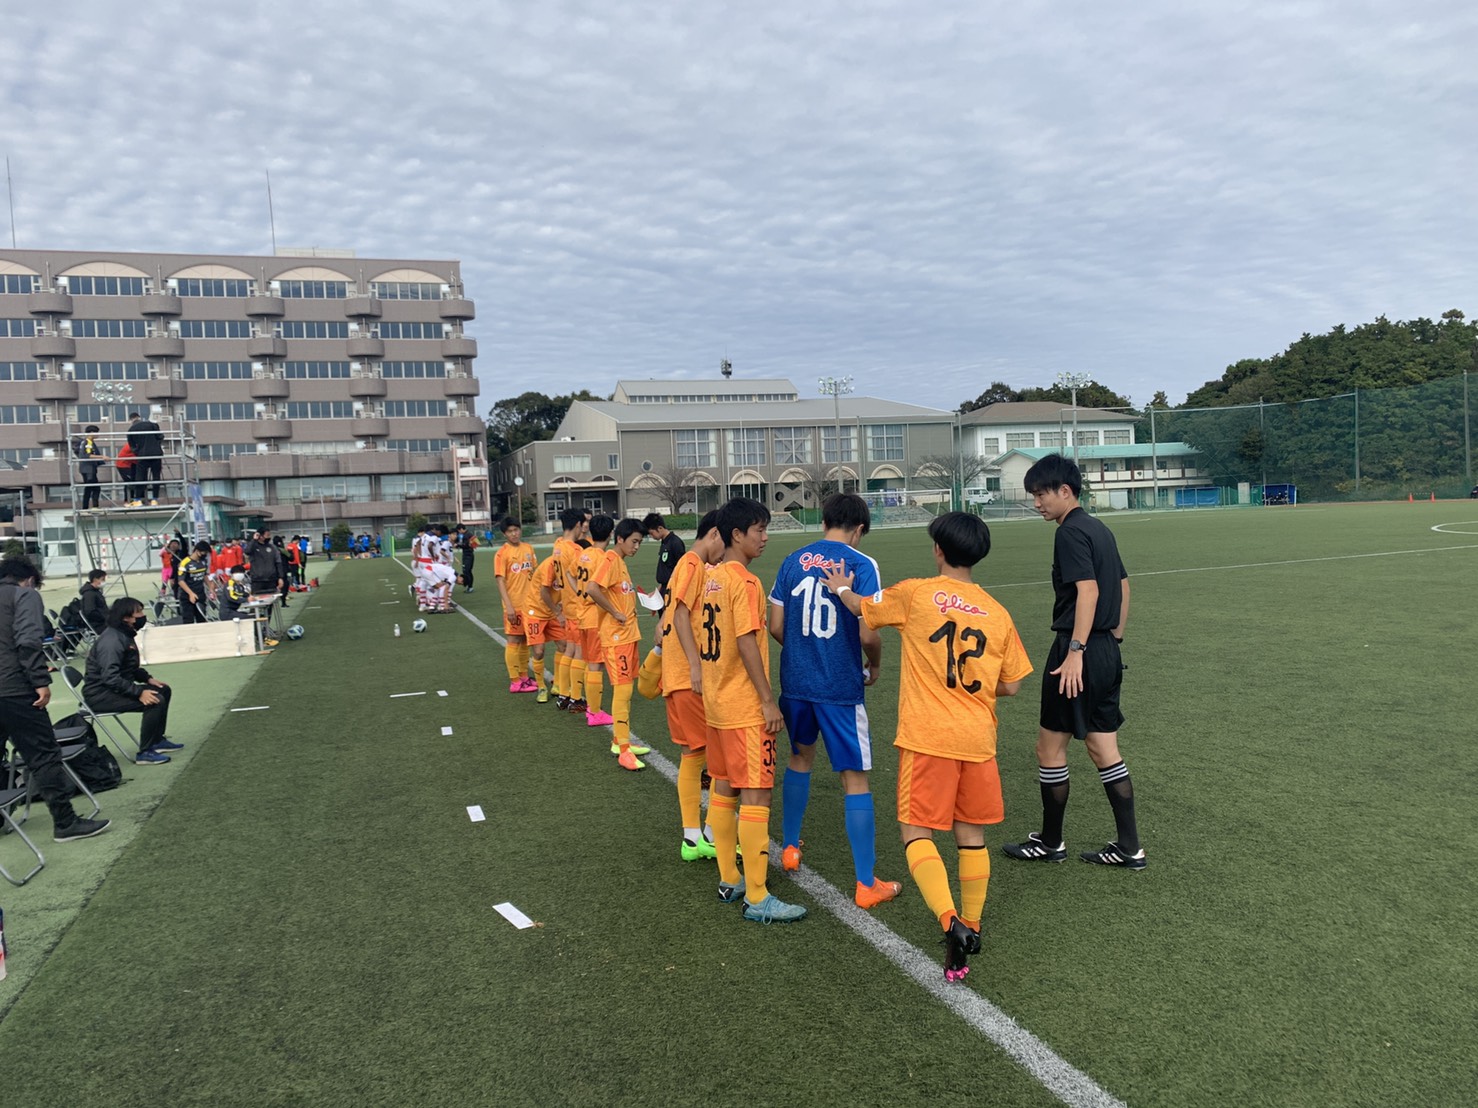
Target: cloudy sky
927	197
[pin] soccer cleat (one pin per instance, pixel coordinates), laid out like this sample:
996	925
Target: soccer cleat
773	910
1035	850
636	748
529	685
515	686
543	697
578	707
879	892
790	857
1115	855
153	503
151	758
79	828
630	761
691	852
730	894
164	745
562	703
960	941
598	719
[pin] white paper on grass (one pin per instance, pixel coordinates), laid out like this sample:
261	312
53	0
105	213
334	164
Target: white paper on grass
513	915
446	730
474	813
651	601
440	692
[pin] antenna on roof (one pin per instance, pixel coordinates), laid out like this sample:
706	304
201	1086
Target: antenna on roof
726	367
10	192
271	218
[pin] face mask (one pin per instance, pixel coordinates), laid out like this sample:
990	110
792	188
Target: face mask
140	622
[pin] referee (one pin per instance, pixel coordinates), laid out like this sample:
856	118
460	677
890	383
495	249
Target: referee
671	549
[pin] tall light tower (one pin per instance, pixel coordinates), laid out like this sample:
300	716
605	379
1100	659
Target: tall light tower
836	387
1073	382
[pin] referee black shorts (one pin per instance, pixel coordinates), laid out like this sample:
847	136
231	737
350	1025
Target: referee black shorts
1096	708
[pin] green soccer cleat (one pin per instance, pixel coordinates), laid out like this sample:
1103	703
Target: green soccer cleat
692	852
543	697
636	748
773	910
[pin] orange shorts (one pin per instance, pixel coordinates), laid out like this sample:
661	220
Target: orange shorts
685	720
590	645
620	662
940	792
537	630
513	623
742	756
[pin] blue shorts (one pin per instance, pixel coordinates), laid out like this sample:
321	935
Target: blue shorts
842	727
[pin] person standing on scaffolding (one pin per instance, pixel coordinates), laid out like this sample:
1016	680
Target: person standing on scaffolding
91	454
148	448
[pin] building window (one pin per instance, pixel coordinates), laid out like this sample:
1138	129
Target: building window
220	451
101	413
792	446
1111	467
17	283
1053	439
990	447
401	486
747	446
315	371
393	330
212	286
1087	438
405	290
1162	463
105	286
694	449
215	329
1021	440
320	409
1118	438
594	502
992	484
838	444
20	413
110	371
319	449
313	329
215	371
418	446
613	461
422	409
109	328
220	411
252	493
17	328
313	290
885	442
412	369
20	371
572	463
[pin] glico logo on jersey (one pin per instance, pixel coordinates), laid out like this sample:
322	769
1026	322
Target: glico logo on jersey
822	562
952	602
711	585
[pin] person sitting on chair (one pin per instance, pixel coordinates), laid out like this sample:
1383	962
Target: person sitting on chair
94	603
116	682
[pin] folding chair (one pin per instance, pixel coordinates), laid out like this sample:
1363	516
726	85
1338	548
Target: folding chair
73	681
66	740
9	798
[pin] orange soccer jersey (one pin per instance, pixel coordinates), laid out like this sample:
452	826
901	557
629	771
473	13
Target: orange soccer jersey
572	593
586	566
545	573
614	578
733	604
685	586
515	564
958	642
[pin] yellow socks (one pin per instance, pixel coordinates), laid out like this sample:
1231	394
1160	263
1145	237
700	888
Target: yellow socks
723	817
974	878
562	674
754	843
577	678
621	712
594	685
690	788
521	658
537	673
932	878
510	659
649	680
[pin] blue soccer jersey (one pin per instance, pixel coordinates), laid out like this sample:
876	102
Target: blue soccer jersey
821	659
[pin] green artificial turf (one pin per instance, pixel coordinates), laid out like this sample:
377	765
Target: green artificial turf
308	917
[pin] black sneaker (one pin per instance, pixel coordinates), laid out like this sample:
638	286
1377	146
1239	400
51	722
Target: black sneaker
1115	855
578	706
1035	850
80	828
960	942
562	703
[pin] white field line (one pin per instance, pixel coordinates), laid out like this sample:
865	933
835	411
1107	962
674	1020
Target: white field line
1442	528
1063	1080
257	708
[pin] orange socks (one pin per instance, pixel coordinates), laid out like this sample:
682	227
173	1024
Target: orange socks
974	878
690	787
754	843
723	817
932	878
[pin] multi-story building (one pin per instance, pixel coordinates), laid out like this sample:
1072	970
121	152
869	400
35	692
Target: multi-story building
314	388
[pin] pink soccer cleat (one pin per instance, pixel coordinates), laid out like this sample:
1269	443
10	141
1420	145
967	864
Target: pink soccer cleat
599	719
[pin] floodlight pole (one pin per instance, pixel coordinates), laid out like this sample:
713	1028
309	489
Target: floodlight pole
1154	460
837	387
1467	438
1073	382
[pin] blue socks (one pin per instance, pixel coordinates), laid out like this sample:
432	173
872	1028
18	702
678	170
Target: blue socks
862	834
795	794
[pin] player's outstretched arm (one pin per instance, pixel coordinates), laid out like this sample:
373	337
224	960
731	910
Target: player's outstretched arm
840	583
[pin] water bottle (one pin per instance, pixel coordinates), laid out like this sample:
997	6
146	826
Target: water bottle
397	630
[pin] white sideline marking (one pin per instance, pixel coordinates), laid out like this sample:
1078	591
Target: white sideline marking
513	915
384	602
1059	1077
258	708
446	730
1442	528
474	813
397	695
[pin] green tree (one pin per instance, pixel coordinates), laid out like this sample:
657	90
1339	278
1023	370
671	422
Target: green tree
529	417
1091	395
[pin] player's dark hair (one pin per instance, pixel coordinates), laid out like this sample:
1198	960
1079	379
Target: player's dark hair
707	523
963	539
1051	473
740	514
95	574
601	527
652	520
90	429
626	528
202	545
508	524
571	518
18	568
122	608
846	510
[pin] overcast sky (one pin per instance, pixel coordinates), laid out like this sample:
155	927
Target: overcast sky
927	197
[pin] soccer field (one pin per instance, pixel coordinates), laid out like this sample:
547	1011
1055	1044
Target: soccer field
307	917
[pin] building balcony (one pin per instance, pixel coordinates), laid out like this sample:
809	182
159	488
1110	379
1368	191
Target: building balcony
53	346
266	346
462	386
250	466
458	346
370	427
164	346
55	389
160	304
271	428
49	302
457	308
465	425
367	388
366	346
265	307
428	505
269	387
363	307
51	433
165	388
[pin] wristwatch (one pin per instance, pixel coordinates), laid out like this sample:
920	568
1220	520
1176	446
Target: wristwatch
1076	647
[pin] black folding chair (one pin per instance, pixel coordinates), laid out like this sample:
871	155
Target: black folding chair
9	798
74	682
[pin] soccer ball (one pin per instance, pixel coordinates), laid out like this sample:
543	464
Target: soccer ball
295	631
418	626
